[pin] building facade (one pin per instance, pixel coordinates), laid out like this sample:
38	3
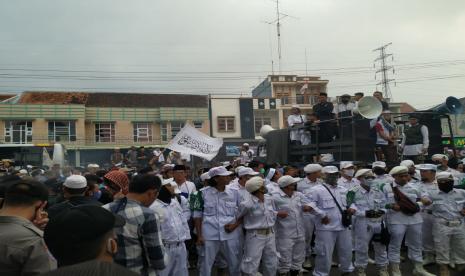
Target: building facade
99	120
288	90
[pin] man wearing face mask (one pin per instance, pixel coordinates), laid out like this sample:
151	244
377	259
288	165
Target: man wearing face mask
347	179
404	201
142	225
428	185
174	231
290	233
442	162
328	201
368	202
305	186
448	210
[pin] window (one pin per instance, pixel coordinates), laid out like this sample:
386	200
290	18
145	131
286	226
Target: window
175	128
198	124
18	132
104	132
142	132
62	131
164	132
259	122
226	124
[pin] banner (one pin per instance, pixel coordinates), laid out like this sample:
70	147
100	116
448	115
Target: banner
191	141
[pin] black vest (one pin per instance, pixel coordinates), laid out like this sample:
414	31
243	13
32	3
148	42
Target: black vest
413	135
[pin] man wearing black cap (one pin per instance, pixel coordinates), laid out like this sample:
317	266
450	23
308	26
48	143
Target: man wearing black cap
23	250
415	141
83	241
180	178
81	234
324	111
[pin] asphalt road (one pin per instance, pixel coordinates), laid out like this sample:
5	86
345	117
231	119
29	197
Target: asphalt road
406	268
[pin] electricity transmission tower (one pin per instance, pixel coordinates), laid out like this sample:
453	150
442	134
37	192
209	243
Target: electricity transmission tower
384	69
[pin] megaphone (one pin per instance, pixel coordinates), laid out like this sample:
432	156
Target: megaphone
452	105
369	107
265	129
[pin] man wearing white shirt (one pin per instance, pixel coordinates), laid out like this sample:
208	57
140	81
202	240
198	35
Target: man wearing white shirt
415	140
175	231
404	220
330	232
305	186
347	179
180	178
294	120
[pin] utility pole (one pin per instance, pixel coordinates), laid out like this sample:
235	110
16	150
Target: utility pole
384	68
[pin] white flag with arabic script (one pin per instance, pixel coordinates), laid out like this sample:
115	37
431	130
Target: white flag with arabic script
191	141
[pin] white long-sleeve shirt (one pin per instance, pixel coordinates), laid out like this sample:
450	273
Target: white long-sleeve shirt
323	205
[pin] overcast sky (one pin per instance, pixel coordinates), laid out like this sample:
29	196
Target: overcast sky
224	46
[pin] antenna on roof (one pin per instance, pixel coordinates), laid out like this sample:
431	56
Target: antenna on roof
279	17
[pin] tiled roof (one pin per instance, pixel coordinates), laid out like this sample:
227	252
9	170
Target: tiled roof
115	99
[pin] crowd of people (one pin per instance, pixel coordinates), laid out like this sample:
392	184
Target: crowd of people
244	219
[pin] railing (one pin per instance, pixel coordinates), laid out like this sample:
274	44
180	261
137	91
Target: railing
299	99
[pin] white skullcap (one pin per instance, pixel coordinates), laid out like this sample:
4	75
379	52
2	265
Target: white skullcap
247	171
407	163
379	164
330	169
346	164
75	182
287	180
93	166
312	168
439	157
444	176
363	172
204	176
428	167
245	144
295	106
398	170
254	184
